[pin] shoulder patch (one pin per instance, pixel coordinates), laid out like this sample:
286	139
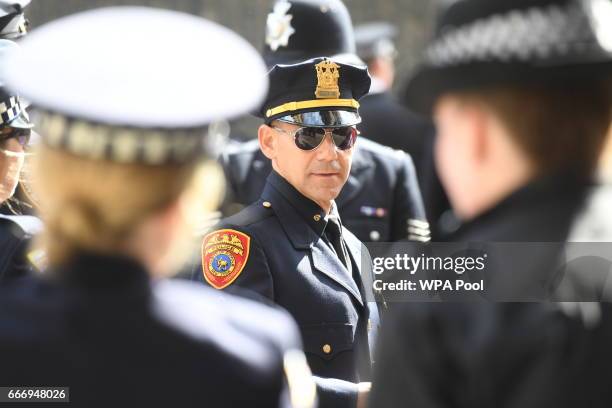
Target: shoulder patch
224	255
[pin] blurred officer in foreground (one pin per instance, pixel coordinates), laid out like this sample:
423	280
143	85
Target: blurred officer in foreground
520	96
118	168
381	199
15	128
384	119
290	246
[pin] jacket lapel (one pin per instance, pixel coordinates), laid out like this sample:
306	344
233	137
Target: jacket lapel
354	247
327	263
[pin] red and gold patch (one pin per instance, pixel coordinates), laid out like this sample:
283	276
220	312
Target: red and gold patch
224	255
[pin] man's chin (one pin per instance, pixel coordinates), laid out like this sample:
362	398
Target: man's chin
328	194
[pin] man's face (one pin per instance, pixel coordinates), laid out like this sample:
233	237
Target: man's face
318	174
10	167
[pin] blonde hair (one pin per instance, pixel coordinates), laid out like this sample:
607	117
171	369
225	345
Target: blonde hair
97	205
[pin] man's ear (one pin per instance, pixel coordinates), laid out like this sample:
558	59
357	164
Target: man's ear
267	141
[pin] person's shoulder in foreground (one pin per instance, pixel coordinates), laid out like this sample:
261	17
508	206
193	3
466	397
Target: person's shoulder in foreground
16	232
213	337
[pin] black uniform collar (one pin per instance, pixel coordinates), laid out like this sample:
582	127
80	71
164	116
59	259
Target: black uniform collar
104	273
308	210
541	211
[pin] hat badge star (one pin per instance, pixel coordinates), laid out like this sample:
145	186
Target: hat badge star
278	26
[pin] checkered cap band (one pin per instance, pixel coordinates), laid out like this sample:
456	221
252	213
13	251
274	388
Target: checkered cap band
520	35
17	27
9	110
122	144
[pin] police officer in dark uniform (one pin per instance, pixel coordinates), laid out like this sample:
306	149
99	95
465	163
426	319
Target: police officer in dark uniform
17	258
387	122
16	231
291	246
119	169
521	96
384	119
381	199
14	26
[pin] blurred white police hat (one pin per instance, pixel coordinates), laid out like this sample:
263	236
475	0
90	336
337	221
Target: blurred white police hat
12	107
135	84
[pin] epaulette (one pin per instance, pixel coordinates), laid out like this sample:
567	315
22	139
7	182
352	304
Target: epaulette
255	212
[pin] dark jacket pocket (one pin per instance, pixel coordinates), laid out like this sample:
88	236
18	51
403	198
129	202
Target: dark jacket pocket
327	340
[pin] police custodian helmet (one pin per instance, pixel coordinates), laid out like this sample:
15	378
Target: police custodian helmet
297	30
480	43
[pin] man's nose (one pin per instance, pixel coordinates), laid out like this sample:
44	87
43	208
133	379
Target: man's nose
328	150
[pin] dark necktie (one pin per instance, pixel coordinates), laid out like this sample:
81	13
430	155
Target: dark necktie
334	235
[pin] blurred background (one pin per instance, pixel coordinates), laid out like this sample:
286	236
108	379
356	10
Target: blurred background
413	18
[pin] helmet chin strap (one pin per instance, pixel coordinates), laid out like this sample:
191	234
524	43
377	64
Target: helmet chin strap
8	153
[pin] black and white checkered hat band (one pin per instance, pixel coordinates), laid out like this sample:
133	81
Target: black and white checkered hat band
122	144
9	110
17	27
555	31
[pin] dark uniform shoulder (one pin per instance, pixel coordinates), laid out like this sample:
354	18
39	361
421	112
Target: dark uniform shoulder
239	153
245	168
256	328
258	211
16	232
256	346
376	151
265	341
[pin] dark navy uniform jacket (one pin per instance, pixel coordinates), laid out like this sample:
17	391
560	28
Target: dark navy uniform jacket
103	329
16	232
292	264
381	200
480	354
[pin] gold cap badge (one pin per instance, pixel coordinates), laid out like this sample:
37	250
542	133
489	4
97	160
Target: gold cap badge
328	74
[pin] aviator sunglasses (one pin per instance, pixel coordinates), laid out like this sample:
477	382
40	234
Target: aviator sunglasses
309	138
21	135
